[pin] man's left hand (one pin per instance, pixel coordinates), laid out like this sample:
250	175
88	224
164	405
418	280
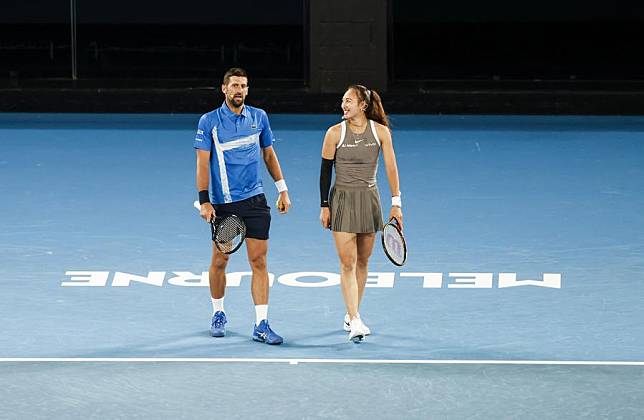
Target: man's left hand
283	202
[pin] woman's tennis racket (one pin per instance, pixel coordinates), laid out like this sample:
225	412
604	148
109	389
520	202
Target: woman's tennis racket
228	233
393	242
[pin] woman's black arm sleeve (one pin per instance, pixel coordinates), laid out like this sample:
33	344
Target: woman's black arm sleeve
325	181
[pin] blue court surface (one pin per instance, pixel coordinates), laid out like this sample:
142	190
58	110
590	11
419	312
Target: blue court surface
522	296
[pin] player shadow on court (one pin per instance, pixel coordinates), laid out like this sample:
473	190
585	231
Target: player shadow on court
199	343
190	344
297	341
400	346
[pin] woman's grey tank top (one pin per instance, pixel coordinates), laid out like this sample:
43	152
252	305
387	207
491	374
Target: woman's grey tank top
356	157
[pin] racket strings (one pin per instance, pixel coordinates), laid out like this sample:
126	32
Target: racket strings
394	244
229	233
229	229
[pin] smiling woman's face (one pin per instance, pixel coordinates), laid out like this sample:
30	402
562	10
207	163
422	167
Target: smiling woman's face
351	105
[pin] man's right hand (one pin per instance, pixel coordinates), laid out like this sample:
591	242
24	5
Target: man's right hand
207	212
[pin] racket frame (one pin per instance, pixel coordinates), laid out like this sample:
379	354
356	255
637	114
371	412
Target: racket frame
394	222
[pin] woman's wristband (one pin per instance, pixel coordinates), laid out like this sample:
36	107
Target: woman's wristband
396	201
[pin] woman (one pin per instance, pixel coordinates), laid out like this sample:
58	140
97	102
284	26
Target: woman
352	209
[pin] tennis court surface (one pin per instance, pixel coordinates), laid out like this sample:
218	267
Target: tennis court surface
521	296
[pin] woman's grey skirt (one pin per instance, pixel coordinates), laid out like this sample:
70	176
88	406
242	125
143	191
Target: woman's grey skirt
355	209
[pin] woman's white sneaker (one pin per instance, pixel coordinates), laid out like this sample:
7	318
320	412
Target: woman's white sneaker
358	330
347	325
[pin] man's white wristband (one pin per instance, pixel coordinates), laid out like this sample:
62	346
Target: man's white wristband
281	185
396	201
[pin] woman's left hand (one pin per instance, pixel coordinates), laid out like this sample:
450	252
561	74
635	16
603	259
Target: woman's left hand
396	213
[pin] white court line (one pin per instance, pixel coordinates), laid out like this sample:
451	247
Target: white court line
318	361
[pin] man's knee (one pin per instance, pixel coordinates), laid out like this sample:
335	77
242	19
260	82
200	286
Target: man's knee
257	262
219	262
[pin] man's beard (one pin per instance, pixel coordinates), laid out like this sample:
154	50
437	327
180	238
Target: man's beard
237	102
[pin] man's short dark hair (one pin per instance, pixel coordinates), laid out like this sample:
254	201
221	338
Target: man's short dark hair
234	71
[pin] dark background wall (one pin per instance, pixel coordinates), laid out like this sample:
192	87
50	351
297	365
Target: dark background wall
120	39
348	43
252	12
503	39
565	56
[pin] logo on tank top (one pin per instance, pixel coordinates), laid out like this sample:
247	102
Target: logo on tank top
357	143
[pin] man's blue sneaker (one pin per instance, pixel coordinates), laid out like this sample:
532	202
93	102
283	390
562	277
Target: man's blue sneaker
264	334
217	327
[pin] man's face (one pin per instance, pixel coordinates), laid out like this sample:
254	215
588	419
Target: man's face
236	90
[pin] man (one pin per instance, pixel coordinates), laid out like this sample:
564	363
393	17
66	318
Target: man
229	143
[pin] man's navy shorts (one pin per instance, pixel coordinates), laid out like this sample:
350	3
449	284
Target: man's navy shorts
254	211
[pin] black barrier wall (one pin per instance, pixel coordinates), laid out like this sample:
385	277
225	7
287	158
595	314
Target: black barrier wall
464	56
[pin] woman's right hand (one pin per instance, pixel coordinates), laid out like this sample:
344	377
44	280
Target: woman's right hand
325	217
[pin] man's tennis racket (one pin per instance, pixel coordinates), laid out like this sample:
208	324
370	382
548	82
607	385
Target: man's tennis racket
393	242
228	233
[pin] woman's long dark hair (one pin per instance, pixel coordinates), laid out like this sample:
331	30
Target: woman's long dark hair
375	110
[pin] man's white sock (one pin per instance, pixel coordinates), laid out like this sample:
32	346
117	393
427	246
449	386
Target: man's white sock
261	313
217	305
